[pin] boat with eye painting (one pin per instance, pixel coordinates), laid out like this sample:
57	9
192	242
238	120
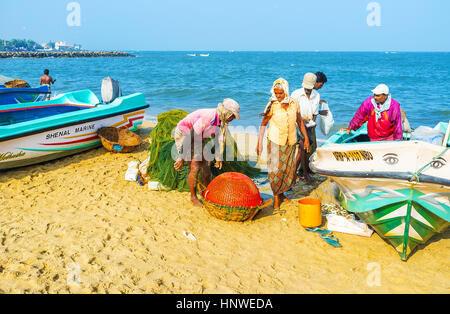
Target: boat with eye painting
401	189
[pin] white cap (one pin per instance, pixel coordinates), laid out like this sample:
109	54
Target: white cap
381	89
309	80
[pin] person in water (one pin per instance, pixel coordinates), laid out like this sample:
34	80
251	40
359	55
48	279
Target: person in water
382	114
46	79
283	113
191	135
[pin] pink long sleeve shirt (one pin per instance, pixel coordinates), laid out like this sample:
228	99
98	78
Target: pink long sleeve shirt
203	121
387	128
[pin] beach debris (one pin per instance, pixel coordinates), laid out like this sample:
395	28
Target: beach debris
340	220
336	210
341	224
190	236
143	166
142	177
157	186
327	235
132	171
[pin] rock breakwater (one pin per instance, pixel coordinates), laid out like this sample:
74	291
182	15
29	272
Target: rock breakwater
62	54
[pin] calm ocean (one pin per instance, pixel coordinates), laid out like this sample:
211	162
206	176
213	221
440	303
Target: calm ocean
177	80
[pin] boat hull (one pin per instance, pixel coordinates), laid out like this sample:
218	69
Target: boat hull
405	214
23	95
401	189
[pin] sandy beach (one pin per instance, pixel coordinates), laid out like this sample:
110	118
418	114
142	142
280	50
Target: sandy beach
75	225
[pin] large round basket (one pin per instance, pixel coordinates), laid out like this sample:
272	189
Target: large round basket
119	140
16	83
232	197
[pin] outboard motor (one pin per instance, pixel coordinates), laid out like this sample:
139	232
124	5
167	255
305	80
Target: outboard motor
110	90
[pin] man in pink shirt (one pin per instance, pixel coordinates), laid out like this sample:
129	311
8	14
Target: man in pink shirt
190	135
382	114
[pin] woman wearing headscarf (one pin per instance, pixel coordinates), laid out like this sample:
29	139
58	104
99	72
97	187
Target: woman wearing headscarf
283	156
191	135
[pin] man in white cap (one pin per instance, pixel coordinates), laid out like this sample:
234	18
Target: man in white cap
308	101
382	114
190	137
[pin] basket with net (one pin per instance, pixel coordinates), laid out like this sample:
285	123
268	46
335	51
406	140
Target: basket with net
232	197
119	140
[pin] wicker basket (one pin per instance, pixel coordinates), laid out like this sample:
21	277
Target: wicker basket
119	140
232	197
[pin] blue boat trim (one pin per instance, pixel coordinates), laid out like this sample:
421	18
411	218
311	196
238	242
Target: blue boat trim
23	94
71	123
22	91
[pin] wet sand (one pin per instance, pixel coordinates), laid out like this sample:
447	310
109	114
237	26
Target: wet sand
76	226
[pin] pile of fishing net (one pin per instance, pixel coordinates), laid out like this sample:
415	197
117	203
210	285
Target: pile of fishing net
160	165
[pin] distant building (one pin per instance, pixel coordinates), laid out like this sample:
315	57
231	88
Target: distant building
64	46
45	47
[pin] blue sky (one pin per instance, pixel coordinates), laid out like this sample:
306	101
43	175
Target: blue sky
256	25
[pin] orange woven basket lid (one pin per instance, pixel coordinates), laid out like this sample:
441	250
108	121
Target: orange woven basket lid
233	189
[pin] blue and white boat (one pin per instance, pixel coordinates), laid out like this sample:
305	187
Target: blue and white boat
23	94
68	124
17	95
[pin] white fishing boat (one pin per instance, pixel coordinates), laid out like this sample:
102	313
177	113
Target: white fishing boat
401	189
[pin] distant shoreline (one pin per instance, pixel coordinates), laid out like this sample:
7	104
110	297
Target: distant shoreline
63	54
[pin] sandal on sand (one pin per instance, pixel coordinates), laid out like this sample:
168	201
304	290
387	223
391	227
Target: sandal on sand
331	240
320	230
327	235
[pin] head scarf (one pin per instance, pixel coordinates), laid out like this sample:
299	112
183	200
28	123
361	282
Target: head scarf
381	108
284	85
226	109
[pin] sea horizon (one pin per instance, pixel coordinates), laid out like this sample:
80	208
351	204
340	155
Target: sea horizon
177	80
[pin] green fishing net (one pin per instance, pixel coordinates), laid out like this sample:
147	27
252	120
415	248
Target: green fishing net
160	166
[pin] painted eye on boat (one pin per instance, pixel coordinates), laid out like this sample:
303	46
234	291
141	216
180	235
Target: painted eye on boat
438	163
391	159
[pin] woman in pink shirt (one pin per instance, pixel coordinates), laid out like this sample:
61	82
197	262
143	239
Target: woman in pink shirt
190	135
382	114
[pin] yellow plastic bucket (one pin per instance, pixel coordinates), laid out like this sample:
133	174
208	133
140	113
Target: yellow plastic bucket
309	212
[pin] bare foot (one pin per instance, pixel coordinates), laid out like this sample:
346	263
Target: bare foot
196	202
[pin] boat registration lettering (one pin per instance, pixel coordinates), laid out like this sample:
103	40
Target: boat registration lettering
357	155
57	134
9	155
68	132
84	128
